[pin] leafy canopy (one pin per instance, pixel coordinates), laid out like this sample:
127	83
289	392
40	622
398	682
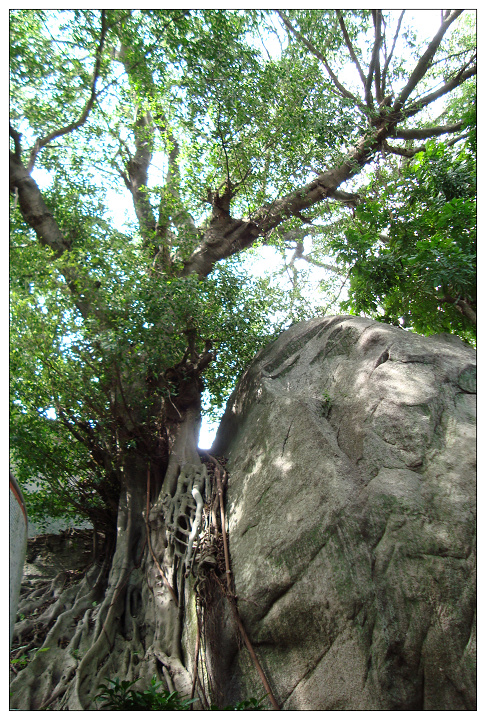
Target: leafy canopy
410	274
149	133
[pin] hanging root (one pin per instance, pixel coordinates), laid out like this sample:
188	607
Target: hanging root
228	592
147	529
123	618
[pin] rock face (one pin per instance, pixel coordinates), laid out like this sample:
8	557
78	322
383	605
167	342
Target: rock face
351	511
51	553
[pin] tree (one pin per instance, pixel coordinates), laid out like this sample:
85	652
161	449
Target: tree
117	331
421	273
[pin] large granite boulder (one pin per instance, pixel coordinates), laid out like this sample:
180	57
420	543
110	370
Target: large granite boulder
351	511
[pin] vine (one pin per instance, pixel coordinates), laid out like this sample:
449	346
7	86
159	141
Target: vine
227	589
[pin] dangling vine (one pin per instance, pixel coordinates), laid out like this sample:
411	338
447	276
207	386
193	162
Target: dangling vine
197	546
214	563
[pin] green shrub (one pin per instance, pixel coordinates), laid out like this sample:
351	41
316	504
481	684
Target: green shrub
120	696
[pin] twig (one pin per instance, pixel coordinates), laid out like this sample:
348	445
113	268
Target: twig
349	44
42	142
388	59
343	90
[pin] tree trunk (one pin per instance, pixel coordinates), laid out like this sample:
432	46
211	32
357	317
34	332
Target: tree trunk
125	618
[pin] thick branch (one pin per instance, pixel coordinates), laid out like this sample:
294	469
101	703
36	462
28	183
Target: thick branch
137	167
378	89
462	306
16	138
424	62
34	210
155	233
424	133
42	142
181	218
227	236
389	57
403	152
446	88
38	216
137	180
374	69
410	152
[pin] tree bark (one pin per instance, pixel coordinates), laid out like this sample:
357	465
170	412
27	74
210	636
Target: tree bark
129	611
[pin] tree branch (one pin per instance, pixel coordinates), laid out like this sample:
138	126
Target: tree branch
424	133
326	266
34	210
42	142
349	45
446	88
137	167
374	69
16	138
227	236
424	62
299	255
137	181
155	234
403	152
380	38
180	217
389	57
410	152
38	216
344	91
463	306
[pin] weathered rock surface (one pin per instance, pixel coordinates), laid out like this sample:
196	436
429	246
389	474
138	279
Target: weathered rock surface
53	553
351	506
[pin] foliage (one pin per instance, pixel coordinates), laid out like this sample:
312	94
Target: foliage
118	695
133	124
412	252
67	374
154	155
22	660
